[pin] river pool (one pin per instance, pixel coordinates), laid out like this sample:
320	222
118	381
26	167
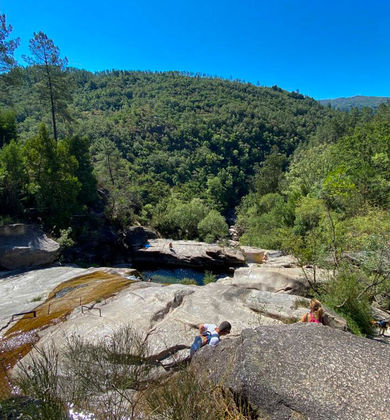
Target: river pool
178	275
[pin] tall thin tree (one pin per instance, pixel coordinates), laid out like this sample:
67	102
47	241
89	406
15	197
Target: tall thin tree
52	82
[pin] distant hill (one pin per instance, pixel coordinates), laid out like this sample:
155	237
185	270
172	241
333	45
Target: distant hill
345	104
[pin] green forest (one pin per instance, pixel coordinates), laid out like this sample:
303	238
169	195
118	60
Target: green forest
189	155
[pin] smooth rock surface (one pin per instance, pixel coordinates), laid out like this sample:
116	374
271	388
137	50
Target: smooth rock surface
24	245
23	291
166	316
253	255
269	278
188	254
304	371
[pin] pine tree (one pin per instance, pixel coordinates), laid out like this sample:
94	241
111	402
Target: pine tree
52	83
7	47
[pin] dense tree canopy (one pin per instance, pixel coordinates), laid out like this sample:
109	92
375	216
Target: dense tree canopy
157	134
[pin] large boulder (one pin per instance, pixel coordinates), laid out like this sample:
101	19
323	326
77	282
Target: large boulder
136	237
269	278
24	245
304	371
188	254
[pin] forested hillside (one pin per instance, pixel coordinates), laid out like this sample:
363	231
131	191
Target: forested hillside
165	143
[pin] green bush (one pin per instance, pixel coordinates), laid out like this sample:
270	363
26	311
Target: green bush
100	377
344	295
189	394
189	282
65	240
213	227
209	277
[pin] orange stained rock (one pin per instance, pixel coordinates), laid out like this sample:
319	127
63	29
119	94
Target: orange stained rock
21	337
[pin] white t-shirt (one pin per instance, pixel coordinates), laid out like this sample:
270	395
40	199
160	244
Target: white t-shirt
210	328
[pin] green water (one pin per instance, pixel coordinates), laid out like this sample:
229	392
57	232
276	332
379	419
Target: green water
178	275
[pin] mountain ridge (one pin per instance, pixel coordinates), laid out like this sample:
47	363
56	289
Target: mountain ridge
357	101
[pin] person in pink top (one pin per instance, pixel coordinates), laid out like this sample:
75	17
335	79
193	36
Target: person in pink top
316	313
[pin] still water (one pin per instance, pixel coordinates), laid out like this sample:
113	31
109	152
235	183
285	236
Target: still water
177	275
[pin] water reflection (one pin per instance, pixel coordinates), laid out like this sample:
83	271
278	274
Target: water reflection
179	275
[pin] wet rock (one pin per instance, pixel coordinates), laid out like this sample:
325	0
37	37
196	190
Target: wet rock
23	291
24	245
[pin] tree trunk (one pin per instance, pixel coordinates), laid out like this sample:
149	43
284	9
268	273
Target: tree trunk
53	113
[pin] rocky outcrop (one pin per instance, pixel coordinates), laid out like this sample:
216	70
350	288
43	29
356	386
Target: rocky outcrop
22	292
278	273
187	254
136	237
303	371
167	317
269	278
288	308
253	255
24	245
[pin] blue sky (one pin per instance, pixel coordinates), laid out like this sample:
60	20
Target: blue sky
326	49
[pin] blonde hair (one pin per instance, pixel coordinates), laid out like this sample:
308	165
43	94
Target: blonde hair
316	309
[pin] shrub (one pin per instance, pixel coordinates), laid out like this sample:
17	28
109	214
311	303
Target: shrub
209	277
113	379
189	394
41	379
188	281
65	239
344	295
213	227
101	377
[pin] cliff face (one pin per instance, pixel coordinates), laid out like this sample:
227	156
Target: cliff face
306	369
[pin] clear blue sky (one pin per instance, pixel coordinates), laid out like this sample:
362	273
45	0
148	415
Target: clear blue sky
326	49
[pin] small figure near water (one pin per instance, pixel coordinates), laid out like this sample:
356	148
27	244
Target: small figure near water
209	334
171	248
316	313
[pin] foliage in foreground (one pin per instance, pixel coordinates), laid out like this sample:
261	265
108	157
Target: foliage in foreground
114	379
189	394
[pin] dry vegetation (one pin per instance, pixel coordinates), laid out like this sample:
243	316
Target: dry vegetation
114	379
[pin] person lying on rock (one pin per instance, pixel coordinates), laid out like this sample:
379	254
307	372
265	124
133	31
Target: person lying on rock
316	313
209	334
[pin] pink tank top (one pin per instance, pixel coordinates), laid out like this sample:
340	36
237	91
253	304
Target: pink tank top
313	319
